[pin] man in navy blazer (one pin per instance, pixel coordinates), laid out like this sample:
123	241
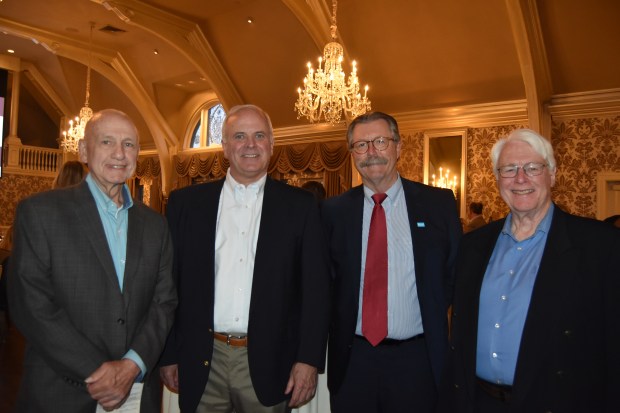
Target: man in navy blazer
400	373
535	324
251	327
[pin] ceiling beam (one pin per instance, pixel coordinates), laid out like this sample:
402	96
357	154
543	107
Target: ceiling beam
527	33
185	36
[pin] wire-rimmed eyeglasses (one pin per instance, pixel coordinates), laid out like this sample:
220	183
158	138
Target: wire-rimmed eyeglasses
530	169
380	143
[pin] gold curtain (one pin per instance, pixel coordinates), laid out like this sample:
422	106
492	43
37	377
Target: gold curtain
149	170
331	158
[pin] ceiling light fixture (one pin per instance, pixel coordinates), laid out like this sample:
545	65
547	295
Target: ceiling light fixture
327	93
72	137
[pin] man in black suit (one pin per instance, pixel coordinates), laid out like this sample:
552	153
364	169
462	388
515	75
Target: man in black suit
251	327
400	370
536	321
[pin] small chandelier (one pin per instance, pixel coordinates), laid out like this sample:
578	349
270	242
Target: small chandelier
72	136
444	181
326	93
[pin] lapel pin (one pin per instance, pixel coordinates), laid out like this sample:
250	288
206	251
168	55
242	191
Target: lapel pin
420	224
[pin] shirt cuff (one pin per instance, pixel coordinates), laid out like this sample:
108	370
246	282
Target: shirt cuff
133	356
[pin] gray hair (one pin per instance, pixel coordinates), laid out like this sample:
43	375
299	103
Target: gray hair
539	144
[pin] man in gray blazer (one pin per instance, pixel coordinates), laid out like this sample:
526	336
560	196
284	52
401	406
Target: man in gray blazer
90	283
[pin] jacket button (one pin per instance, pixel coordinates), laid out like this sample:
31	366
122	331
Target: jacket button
560	373
452	348
120	321
206	363
456	386
568	333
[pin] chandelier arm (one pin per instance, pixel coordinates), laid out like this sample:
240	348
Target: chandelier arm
327	92
71	137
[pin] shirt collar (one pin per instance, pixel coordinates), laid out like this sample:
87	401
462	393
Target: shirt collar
392	193
543	226
242	192
103	200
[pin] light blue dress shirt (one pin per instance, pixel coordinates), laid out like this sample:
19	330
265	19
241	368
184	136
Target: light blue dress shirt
505	298
115	224
404	316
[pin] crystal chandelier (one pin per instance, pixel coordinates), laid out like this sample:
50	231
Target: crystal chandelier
444	181
326	93
72	136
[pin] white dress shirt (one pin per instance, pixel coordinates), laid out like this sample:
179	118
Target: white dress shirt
236	236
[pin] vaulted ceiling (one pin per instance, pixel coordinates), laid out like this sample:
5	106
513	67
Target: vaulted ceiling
417	56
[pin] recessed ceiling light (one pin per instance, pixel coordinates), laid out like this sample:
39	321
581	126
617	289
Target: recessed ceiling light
155	51
10	50
250	20
178	84
191	82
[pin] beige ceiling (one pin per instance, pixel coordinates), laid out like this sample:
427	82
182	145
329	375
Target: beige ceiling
416	55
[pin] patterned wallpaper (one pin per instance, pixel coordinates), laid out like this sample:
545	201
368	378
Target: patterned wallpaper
411	163
583	148
13	188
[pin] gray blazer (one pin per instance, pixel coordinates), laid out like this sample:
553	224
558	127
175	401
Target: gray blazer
65	299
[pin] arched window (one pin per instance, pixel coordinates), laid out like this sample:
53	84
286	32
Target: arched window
213	117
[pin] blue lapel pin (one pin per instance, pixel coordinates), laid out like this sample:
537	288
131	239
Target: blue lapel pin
420	224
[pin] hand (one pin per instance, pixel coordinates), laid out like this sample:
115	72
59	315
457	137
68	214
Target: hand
111	383
170	376
302	382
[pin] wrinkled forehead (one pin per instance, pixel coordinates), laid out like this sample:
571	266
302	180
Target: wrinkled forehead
115	126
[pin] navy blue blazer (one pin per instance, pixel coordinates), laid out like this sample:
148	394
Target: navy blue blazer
568	359
288	317
435	232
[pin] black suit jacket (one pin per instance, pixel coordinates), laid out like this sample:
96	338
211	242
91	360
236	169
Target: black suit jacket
290	288
65	298
435	231
569	358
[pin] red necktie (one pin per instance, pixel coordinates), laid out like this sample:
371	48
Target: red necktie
374	305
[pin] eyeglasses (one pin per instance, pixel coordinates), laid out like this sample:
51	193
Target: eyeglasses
380	143
530	169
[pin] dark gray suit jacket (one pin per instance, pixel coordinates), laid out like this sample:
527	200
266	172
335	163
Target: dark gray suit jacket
435	232
569	358
65	298
289	306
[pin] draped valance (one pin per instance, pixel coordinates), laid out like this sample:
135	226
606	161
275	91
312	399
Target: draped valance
329	158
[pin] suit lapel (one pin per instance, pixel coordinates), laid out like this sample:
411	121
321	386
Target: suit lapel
544	304
89	221
355	217
135	230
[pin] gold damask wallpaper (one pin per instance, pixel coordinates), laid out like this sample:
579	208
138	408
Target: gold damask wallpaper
582	147
14	188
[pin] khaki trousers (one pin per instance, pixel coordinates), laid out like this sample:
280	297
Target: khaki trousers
229	388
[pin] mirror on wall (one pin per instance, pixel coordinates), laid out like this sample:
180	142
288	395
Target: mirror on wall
445	163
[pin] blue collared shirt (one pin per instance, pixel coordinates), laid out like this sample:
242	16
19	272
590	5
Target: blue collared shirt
505	299
115	224
404	316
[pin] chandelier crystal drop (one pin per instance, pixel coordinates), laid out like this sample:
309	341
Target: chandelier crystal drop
326	93
71	137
